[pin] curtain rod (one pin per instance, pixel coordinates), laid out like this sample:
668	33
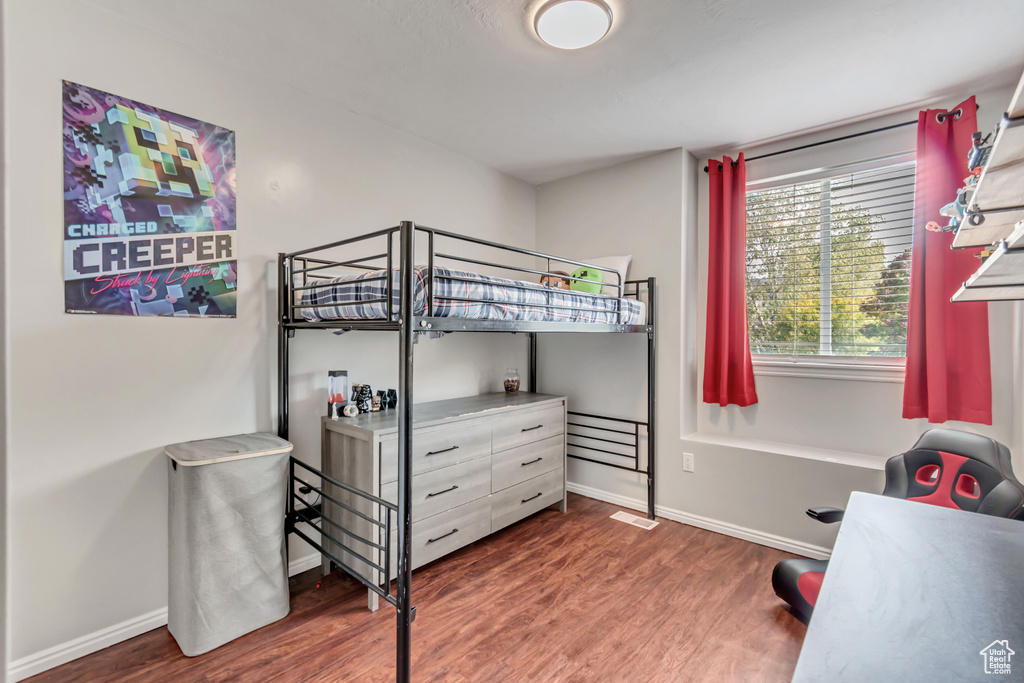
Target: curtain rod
824	142
940	117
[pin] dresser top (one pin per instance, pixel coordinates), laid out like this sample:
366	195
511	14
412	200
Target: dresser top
438	412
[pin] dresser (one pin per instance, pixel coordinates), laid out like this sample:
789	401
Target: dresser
479	464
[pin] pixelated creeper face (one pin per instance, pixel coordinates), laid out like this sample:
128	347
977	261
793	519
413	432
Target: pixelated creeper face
194	296
140	155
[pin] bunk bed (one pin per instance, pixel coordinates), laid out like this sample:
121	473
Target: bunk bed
338	287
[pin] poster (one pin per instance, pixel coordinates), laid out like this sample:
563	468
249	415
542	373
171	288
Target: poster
149	210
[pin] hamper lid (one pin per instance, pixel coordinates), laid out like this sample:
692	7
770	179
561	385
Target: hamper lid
226	448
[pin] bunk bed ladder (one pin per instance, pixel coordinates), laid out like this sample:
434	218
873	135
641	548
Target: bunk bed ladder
339	549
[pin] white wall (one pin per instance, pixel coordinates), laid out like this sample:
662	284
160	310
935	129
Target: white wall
96	398
634	208
808	441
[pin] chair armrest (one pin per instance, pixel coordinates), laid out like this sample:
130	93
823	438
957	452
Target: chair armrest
826	515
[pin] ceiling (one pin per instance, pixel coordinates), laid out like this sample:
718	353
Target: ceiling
470	76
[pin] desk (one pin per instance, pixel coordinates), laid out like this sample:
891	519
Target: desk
915	592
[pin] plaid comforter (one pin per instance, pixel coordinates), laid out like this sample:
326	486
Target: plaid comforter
477	297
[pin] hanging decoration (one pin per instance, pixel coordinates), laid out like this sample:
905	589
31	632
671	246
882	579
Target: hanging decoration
149	210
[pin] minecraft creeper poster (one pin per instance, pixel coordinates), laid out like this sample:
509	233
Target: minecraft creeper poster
149	210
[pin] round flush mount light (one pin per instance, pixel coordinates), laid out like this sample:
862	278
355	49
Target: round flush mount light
572	24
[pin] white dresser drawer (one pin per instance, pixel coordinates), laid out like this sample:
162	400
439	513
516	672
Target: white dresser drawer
516	465
510	431
439	490
468	455
433	448
522	500
439	535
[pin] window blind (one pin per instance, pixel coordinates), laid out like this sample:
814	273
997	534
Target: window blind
828	264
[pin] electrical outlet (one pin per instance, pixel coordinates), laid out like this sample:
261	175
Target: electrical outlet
687	462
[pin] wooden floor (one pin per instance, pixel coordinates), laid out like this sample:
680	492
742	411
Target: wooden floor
575	597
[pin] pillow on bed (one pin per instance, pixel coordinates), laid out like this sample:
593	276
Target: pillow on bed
620	264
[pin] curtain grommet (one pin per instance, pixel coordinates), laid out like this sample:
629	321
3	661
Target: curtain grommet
956	114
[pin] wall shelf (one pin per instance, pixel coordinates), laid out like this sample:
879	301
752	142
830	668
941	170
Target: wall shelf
998	202
1016	238
1000	278
999	198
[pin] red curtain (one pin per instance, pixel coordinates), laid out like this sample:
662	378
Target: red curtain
948	369
728	372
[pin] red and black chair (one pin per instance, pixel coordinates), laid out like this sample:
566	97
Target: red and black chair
945	467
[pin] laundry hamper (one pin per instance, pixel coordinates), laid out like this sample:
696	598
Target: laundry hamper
228	573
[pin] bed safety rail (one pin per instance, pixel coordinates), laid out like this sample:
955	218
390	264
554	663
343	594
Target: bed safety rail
333	535
315	268
611	441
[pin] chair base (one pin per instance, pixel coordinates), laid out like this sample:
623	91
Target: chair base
797	582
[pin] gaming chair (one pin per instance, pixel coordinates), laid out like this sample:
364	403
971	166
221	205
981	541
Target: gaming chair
945	467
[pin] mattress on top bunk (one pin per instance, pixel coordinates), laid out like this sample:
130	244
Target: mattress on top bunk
492	299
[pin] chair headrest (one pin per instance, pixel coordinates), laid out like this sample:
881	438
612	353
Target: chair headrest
989	451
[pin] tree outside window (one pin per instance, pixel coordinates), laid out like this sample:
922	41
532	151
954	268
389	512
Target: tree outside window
828	265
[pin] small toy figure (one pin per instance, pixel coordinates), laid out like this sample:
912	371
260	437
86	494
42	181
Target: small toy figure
955	212
592	287
362	397
956	209
554	281
978	156
392	399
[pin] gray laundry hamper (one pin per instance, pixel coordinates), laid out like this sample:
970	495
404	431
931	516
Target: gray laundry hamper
228	573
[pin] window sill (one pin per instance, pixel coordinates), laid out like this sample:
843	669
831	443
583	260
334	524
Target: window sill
819	367
848	458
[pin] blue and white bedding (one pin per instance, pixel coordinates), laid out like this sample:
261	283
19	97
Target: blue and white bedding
492	298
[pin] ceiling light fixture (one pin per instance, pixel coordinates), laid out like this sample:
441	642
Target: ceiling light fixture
572	24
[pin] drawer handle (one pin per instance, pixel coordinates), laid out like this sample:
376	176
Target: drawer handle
431	495
527	500
530	429
531	462
435	540
443	450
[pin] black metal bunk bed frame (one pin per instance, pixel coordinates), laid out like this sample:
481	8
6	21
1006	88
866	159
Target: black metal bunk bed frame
407	325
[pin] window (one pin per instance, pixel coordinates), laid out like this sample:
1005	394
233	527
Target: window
828	264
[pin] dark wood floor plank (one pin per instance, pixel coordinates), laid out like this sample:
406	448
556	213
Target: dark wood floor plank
570	598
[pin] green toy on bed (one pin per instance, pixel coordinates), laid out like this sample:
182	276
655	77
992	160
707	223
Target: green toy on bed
587	274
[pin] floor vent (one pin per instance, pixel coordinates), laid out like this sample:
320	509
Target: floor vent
641	522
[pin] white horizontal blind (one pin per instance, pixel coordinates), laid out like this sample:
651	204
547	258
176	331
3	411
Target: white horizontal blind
828	264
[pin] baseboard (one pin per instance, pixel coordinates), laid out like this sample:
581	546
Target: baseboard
301	564
747	534
613	498
93	642
79	647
